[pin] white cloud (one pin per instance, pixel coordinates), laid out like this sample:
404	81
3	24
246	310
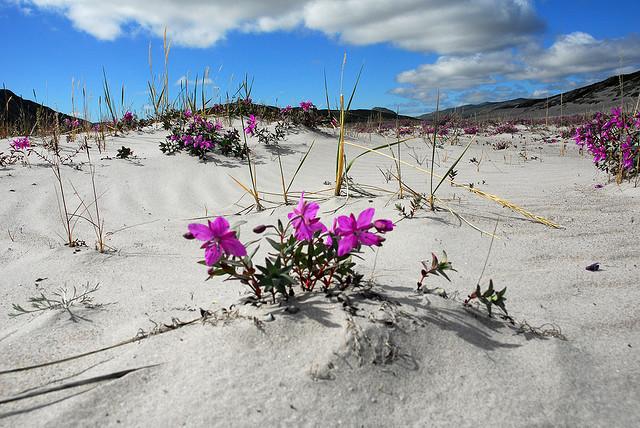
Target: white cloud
580	53
576	58
460	72
184	80
441	26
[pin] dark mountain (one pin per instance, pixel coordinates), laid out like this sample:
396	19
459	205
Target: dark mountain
19	115
586	100
376	114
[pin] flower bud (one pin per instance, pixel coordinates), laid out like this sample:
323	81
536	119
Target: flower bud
259	229
188	235
383	226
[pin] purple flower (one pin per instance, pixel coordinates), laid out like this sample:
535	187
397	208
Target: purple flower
354	232
187	113
471	130
383	225
286	110
306	105
21	143
187	140
304	221
200	142
218	239
627	154
250	129
128	117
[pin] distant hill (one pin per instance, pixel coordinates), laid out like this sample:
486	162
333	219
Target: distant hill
586	100
19	115
373	115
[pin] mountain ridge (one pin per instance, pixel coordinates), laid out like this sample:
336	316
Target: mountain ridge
600	95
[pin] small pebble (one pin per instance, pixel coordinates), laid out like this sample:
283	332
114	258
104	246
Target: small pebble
269	318
292	309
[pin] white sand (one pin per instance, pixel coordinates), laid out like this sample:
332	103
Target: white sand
431	363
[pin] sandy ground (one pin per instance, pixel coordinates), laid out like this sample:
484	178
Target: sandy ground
398	358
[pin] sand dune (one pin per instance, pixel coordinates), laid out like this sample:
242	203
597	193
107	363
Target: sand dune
392	357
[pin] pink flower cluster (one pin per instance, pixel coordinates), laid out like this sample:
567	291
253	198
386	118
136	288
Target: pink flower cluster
471	130
348	231
21	143
306	105
286	110
252	123
613	141
128	117
71	124
198	131
443	128
506	128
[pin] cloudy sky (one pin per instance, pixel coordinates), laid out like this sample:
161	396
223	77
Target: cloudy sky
471	50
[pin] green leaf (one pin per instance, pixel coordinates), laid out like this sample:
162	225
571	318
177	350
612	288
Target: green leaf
276	245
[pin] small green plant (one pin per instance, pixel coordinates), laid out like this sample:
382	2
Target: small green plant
61	299
124	153
271	138
489	298
169	147
437	267
416	204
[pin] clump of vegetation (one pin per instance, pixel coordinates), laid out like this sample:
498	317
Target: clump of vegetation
20	149
500	145
129	122
415	205
61	299
489	298
506	128
199	136
436	267
304	251
613	141
471	130
124	153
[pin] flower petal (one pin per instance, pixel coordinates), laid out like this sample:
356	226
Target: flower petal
310	210
345	224
212	254
369	239
219	226
231	245
200	231
346	244
301	202
303	232
365	217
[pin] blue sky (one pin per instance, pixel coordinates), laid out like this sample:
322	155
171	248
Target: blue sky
472	50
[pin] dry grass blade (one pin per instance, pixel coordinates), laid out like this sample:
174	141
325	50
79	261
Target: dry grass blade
245	188
478	192
101	378
509	205
302	161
